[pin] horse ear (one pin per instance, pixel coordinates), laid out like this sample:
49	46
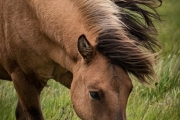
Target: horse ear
85	48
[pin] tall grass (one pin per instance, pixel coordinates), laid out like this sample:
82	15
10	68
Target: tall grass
161	102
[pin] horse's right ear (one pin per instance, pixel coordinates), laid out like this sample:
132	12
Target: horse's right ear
85	48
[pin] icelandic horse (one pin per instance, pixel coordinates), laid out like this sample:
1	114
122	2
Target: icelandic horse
89	46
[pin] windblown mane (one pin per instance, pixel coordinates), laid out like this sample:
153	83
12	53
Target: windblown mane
126	33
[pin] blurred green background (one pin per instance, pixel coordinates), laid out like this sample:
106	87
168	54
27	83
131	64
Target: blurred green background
159	103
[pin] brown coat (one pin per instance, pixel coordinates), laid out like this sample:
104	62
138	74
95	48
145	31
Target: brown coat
88	46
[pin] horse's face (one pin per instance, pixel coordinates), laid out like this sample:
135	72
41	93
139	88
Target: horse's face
100	89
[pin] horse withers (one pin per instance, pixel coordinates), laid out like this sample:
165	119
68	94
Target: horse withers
88	46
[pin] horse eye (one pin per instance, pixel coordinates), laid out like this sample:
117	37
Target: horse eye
95	95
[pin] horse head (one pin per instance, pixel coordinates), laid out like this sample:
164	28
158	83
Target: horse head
100	88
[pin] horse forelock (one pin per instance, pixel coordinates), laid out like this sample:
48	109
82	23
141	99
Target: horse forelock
124	37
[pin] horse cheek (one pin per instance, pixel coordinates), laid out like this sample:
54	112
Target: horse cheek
79	98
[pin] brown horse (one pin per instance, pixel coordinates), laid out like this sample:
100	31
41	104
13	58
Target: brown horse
89	46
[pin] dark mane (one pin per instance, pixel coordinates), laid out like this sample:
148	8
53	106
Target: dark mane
133	45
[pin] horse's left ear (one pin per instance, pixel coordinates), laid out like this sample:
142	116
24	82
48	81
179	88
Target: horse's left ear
85	48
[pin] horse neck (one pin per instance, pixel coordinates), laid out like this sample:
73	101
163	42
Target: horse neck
68	19
63	21
59	20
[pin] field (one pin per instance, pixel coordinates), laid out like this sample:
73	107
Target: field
160	102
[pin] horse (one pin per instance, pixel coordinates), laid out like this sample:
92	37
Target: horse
90	46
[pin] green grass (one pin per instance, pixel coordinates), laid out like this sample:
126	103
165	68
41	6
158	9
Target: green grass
159	103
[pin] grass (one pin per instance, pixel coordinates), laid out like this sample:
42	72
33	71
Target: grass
159	103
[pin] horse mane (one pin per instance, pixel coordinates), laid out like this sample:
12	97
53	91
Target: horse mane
126	33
